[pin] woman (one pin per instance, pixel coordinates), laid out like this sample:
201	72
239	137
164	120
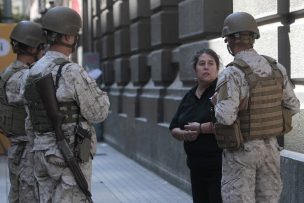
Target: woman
192	123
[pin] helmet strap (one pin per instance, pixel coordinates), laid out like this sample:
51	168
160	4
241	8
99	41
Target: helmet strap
55	38
229	50
229	42
240	39
244	38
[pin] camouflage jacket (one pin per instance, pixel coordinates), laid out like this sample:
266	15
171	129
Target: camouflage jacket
74	85
237	89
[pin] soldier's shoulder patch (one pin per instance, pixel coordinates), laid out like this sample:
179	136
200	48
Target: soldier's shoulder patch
221	89
221	81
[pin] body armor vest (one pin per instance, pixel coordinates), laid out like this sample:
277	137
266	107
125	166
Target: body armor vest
264	116
12	117
38	114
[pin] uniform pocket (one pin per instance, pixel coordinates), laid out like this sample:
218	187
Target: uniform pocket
56	161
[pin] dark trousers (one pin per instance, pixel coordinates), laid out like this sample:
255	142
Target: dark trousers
206	185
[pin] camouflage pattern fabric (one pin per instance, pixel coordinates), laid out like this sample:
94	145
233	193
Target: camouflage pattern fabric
234	89
24	187
53	176
56	182
23	184
251	174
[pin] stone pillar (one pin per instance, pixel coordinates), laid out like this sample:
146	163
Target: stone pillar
96	27
164	38
121	41
107	41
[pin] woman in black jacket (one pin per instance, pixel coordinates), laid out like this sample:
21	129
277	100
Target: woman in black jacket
192	123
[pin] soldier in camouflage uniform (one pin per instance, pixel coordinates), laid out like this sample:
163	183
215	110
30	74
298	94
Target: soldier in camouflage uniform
27	41
79	99
251	173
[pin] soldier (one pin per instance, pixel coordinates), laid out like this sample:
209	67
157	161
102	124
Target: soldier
80	101
27	40
255	103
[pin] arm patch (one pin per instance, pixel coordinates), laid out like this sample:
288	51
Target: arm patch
222	90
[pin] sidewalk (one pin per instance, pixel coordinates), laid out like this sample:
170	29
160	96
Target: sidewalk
118	179
4	179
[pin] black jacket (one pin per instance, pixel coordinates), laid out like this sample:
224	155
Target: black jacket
204	151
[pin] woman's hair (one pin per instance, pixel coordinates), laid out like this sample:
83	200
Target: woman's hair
206	51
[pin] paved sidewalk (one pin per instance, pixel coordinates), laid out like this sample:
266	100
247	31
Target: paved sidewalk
4	179
118	179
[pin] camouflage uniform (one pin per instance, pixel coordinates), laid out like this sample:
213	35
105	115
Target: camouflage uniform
23	184
250	174
56	182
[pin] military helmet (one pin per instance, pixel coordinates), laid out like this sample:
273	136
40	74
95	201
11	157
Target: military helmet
28	33
240	22
62	20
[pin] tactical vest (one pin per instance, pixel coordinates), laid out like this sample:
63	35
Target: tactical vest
264	116
38	114
12	117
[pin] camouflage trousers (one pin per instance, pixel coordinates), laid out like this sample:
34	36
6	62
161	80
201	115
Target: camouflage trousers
55	180
252	174
23	187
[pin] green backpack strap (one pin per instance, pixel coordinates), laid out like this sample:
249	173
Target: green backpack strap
250	76
276	72
270	60
61	62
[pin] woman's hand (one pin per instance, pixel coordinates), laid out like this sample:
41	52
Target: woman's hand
190	135
192	131
193	126
200	128
184	135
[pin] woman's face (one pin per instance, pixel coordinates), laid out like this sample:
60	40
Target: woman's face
206	69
